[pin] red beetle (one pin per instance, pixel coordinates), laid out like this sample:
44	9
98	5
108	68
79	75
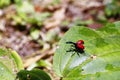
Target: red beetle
77	47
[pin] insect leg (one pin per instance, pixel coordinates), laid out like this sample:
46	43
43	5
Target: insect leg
71	50
78	54
73	54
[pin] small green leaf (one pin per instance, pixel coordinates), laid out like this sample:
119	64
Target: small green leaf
35	74
17	59
35	34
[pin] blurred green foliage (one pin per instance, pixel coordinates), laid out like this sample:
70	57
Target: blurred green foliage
113	8
27	14
55	2
34	34
83	22
4	3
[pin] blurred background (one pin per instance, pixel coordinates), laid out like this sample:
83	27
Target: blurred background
34	27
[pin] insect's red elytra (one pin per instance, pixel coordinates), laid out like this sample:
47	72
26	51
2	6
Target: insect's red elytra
79	44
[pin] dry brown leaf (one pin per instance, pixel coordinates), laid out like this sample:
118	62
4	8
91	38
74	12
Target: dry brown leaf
56	19
87	3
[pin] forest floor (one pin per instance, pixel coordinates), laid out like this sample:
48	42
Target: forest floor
34	28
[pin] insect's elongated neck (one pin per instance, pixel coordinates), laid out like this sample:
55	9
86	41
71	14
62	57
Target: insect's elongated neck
69	42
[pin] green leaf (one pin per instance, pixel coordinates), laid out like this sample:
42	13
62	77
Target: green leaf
35	74
102	51
35	34
10	64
